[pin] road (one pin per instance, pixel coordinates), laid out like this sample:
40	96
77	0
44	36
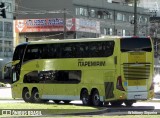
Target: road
5	93
137	108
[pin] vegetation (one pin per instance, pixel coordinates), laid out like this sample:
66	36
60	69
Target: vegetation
49	108
54	109
2	84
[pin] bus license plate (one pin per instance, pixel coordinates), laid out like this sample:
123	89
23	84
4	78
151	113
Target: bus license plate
137	96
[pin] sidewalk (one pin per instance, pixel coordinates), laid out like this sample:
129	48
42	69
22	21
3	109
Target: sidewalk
5	93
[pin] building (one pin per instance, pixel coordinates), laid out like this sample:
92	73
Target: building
6	33
153	8
155	33
113	17
151	5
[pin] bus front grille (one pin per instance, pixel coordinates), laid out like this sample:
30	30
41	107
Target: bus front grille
136	71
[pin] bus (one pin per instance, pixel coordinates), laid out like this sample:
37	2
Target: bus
96	71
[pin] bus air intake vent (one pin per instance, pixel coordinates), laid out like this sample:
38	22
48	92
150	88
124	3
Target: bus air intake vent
136	71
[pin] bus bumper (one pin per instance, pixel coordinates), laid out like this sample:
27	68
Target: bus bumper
137	96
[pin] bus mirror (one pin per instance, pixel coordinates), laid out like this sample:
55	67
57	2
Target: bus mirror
12	64
4	69
15	62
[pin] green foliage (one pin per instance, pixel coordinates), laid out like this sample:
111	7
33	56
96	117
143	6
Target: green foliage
2	85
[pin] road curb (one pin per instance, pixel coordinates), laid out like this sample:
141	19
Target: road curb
98	112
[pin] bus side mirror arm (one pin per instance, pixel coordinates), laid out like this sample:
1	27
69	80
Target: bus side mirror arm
5	67
12	64
15	62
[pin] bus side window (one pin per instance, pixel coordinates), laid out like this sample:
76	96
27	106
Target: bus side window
86	51
109	48
67	51
52	51
79	51
93	49
44	52
62	76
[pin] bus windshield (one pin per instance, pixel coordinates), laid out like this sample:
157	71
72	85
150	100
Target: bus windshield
135	44
19	51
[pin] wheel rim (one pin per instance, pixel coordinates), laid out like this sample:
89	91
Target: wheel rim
27	96
85	98
36	96
96	99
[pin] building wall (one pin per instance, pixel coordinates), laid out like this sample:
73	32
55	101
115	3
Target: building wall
152	6
6	34
117	17
41	8
116	21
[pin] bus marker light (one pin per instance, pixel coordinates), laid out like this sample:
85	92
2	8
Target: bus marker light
119	85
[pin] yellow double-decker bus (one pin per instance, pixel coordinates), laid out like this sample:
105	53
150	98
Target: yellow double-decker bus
95	70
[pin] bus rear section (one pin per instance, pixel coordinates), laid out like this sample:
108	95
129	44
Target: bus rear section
136	69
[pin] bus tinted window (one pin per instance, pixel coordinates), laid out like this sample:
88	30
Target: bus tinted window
136	44
32	52
49	51
70	50
87	49
18	53
57	76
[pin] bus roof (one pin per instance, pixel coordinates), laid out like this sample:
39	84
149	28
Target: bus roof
73	40
103	38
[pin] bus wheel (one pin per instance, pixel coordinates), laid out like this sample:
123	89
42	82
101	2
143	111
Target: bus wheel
66	101
85	97
116	103
129	103
96	98
57	101
26	96
35	96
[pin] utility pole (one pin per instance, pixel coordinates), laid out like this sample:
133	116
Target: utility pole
114	20
64	24
135	17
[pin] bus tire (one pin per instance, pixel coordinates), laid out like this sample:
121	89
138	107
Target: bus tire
96	98
116	103
26	96
85	97
66	101
35	96
129	103
56	101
